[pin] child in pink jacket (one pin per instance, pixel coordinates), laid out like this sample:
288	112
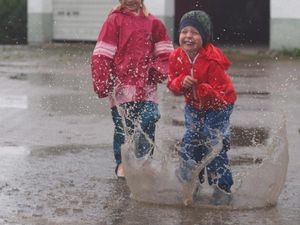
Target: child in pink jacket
129	60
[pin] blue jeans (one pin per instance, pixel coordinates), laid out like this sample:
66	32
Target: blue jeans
195	143
146	114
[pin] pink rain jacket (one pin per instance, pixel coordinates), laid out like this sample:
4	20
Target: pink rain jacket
214	89
130	57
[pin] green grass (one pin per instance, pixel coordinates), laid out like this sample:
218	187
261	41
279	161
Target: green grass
290	52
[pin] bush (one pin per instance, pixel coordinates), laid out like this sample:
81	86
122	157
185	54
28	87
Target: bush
291	52
13	21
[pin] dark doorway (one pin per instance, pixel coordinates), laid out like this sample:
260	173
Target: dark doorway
238	22
13	21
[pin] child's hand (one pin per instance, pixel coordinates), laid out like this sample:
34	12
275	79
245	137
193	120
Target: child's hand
188	82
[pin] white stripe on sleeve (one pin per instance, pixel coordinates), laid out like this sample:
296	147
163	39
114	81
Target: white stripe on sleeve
103	48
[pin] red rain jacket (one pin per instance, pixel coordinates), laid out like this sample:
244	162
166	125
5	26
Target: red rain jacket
130	57
214	89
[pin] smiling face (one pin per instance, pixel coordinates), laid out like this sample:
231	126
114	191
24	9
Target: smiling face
190	40
131	5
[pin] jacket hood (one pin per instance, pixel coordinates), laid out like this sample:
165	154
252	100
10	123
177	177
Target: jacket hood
213	53
118	10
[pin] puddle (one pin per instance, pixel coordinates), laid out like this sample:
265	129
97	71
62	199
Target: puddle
244	160
14	101
71	104
243	136
56	186
246	75
53	79
20	76
13	151
60	79
254	93
64	149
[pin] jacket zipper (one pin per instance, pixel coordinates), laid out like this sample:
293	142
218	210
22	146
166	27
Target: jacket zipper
195	96
193	88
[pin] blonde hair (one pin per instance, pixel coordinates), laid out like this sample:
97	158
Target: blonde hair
144	8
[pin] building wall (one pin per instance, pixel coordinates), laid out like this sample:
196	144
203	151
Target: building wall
39	22
285	24
164	10
50	20
79	19
284	21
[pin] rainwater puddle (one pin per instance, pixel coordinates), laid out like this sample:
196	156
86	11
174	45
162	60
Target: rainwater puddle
53	79
254	93
20	76
244	136
14	101
249	75
61	150
59	79
62	182
6	151
71	104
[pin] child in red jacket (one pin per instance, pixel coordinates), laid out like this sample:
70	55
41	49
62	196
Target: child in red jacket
129	60
197	71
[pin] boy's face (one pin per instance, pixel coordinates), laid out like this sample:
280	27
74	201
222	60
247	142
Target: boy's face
131	5
190	39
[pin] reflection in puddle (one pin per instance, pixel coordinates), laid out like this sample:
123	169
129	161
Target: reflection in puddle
254	93
13	151
64	149
11	101
20	76
250	76
242	136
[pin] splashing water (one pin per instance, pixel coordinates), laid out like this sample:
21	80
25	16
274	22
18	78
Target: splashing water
261	185
154	180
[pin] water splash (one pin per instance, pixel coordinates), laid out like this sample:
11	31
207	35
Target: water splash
259	185
152	180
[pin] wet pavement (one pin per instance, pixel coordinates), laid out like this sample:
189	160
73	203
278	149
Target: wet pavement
56	160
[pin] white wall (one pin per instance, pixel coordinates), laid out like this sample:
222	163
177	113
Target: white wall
161	7
285	24
39	22
289	9
39	6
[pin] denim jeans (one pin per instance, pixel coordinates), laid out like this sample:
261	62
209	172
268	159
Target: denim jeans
198	138
146	114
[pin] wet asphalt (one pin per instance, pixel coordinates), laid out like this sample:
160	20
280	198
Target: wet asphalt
56	159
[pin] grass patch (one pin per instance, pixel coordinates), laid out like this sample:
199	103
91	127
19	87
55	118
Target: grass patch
290	52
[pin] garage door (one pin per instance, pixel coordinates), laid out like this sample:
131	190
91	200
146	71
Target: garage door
77	20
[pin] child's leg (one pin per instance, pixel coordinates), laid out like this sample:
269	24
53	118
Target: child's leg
192	147
119	136
149	115
131	111
145	113
219	170
195	135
